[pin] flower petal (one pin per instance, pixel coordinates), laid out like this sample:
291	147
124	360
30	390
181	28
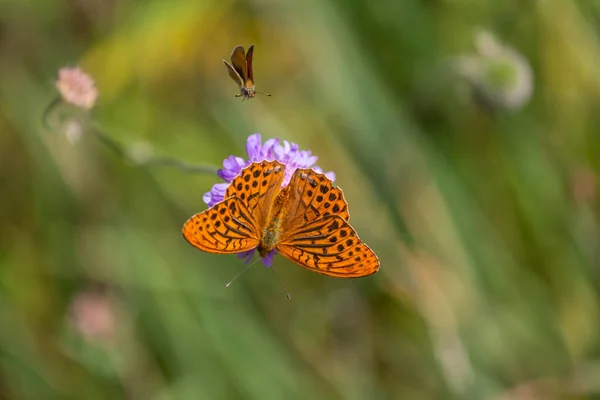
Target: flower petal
231	168
268	150
233	163
216	194
247	255
207	198
253	146
268	259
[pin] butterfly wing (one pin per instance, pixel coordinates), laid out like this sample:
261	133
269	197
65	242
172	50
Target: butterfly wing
329	246
318	235
312	196
250	73
257	185
238	61
233	74
225	228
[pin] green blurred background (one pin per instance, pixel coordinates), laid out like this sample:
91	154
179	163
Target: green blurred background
485	218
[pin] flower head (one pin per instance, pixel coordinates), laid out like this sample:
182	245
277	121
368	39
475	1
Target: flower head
498	74
76	87
289	154
94	315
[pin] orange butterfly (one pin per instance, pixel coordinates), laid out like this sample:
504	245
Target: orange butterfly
240	70
306	222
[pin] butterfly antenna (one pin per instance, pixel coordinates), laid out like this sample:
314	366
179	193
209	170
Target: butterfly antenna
264	94
282	284
242	271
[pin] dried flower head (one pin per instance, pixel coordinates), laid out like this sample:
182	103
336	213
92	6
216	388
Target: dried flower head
288	154
76	87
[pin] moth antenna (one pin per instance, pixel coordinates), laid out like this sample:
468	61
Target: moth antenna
241	272
282	284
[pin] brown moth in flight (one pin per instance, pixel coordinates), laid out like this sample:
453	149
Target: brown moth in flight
240	70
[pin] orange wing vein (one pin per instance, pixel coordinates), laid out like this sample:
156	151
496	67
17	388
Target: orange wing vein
329	246
256	186
225	228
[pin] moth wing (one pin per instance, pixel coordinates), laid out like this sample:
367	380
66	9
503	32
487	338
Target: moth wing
238	61
249	55
233	74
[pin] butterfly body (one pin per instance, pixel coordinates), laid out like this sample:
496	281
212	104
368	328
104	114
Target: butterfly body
248	91
240	70
271	235
306	222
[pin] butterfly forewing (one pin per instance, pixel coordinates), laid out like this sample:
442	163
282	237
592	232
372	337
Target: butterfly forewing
313	196
225	228
238	60
256	186
330	246
249	56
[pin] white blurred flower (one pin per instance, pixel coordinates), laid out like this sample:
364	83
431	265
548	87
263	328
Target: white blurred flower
73	131
498	74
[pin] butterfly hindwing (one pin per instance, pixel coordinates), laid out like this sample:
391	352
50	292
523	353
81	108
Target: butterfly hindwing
329	246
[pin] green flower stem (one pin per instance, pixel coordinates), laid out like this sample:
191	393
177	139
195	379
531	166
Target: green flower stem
152	161
121	151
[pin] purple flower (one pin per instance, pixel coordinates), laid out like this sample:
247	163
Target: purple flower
288	154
